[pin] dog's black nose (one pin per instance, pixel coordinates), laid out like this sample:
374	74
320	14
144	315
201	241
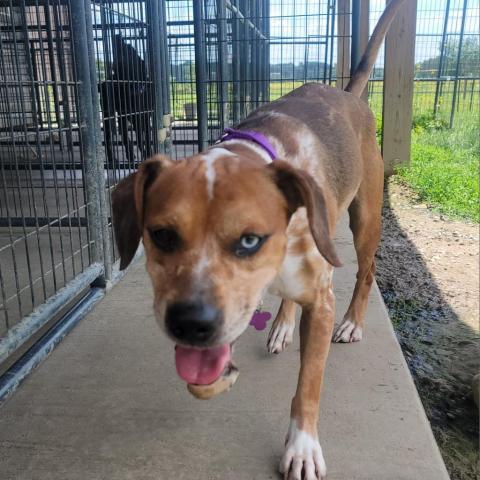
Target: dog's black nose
192	322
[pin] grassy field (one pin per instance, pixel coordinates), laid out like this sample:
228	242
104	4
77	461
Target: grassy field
423	98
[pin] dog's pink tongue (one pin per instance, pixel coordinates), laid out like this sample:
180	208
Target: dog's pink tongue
201	367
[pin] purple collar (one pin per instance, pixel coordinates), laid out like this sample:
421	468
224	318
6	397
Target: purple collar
257	137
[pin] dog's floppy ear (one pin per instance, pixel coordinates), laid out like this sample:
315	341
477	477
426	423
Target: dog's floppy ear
301	190
127	207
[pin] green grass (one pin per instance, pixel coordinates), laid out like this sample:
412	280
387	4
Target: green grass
444	169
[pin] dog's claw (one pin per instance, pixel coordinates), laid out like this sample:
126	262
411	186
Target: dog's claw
280	336
348	332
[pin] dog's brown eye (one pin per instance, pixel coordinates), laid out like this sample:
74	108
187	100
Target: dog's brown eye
166	239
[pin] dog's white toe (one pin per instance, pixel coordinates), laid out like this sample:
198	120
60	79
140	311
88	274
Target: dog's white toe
280	336
303	453
347	332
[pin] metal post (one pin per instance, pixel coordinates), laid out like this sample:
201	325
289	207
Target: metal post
442	58
53	70
236	68
100	151
255	59
331	6
63	76
266	32
243	62
222	62
200	84
459	57
325	57
248	57
165	70
88	125
157	65
262	52
355	48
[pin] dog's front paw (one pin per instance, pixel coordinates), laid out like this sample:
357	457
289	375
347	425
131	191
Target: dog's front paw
348	332
303	458
280	336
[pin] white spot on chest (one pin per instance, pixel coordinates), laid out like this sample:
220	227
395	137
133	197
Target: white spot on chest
288	283
291	281
210	157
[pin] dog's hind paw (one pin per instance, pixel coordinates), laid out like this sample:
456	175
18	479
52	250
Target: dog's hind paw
303	457
347	332
280	336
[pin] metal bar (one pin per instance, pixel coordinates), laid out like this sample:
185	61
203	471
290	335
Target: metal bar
222	62
165	57
236	11
30	324
255	58
99	158
242	78
267	49
247	58
442	57
355	44
88	123
332	6
59	29
200	84
35	84
165	71
52	64
157	66
12	379
236	62
459	58
327	31
31	222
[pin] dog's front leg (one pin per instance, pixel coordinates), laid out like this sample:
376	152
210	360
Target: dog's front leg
303	458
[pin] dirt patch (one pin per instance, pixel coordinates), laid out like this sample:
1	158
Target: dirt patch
428	273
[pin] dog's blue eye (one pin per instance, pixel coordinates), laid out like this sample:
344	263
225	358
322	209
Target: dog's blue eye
249	241
248	245
166	239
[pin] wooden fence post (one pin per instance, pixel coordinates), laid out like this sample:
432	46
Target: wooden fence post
398	87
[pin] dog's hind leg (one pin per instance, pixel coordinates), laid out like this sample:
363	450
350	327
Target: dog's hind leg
365	223
281	333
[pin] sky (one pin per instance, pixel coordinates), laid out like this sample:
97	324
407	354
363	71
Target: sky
307	19
305	22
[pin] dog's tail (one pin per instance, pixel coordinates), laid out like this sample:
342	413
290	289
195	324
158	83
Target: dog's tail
359	79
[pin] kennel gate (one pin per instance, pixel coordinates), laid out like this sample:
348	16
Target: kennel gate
83	100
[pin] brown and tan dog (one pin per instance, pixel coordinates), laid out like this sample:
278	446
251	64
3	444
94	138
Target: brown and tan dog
221	227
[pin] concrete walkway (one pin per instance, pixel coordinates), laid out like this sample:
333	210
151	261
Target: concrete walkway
107	404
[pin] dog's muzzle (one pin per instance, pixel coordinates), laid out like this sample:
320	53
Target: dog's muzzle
207	370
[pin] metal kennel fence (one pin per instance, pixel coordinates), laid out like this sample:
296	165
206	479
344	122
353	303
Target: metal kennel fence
219	68
229	57
83	100
446	81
